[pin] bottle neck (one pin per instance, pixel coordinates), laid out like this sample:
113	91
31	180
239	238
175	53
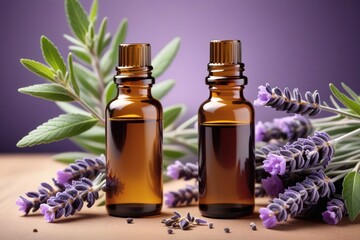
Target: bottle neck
221	74
227	92
135	89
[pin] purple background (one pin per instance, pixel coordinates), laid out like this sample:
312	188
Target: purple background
304	44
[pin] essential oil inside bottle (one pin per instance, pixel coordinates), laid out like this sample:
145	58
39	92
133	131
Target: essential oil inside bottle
226	162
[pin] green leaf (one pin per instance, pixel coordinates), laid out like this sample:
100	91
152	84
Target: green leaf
77	18
39	69
70	108
351	92
58	128
173	152
159	90
100	43
172	113
351	194
352	105
96	133
94	147
70	157
164	58
93	11
72	75
48	91
74	41
86	79
52	55
108	61
81	53
109	93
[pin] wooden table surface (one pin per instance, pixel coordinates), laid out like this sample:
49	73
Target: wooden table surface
21	173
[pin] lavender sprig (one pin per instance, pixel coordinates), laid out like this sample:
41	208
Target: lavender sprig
87	167
305	153
286	129
72	199
179	170
287	101
37	198
182	197
335	210
295	198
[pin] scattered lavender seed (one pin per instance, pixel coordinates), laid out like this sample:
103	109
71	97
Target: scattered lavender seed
253	226
129	220
170	231
211	225
227	230
35	230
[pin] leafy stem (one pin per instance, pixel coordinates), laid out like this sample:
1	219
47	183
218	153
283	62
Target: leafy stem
352	133
337	111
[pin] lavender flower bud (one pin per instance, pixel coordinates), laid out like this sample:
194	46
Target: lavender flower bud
273	185
183	197
87	167
179	170
287	101
335	210
305	153
296	198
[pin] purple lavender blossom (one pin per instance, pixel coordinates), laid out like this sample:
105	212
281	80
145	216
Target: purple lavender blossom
335	210
287	101
273	185
268	217
263	96
260	131
24	205
87	167
297	198
48	212
305	153
72	199
179	170
182	197
275	164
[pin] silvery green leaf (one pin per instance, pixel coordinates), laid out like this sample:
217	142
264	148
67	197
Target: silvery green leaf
351	193
70	108
77	18
81	53
351	92
172	113
108	61
39	69
72	75
48	91
172	152
164	58
52	55
74	41
94	147
93	11
159	90
350	104
109	93
86	79
96	133
58	128
100	43
70	157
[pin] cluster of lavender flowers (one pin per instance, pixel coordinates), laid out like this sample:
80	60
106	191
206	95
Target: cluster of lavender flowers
296	171
78	183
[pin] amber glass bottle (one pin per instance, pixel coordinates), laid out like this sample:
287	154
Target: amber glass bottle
134	138
226	137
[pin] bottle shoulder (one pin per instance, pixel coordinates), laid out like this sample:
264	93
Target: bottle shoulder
217	110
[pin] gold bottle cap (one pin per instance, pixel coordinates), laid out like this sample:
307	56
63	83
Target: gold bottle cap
135	55
225	52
